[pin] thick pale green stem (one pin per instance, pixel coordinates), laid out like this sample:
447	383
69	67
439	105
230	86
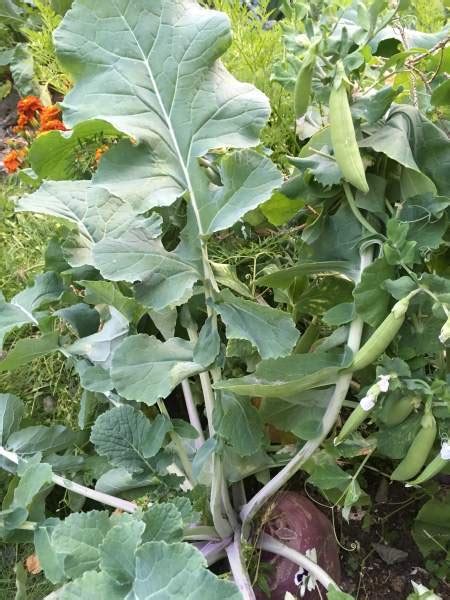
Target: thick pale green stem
124	505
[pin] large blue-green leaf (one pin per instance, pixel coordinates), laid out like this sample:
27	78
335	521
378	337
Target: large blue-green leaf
137	256
174	95
175	571
96	213
12	409
98	347
20	310
145	369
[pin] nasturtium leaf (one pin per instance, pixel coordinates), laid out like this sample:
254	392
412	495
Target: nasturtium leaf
78	539
12	409
99	347
240	424
107	292
93	585
174	96
138	257
177	570
271	331
117	551
27	349
52	156
207	346
127	438
279	209
145	369
283	377
163	522
441	94
371	298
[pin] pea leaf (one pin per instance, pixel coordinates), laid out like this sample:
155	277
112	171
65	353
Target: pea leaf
284	377
371	299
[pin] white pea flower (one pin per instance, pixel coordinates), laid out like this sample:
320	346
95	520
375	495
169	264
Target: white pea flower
445	451
368	402
383	383
303	579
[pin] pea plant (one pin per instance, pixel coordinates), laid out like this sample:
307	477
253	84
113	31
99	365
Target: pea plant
189	375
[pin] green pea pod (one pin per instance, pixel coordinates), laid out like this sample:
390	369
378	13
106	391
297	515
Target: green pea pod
397	409
343	136
432	469
303	85
355	419
382	336
418	452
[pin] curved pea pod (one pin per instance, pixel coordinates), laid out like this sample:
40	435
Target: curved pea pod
343	138
354	420
382	336
303	84
418	452
432	469
397	409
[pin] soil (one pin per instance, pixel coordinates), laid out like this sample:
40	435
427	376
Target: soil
364	573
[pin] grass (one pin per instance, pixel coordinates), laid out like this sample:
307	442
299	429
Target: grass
47	385
251	56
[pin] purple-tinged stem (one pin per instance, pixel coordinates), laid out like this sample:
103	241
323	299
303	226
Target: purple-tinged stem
213	551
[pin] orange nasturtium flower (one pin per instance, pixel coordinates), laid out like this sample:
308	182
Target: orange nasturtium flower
100	152
51	119
29	106
14	159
